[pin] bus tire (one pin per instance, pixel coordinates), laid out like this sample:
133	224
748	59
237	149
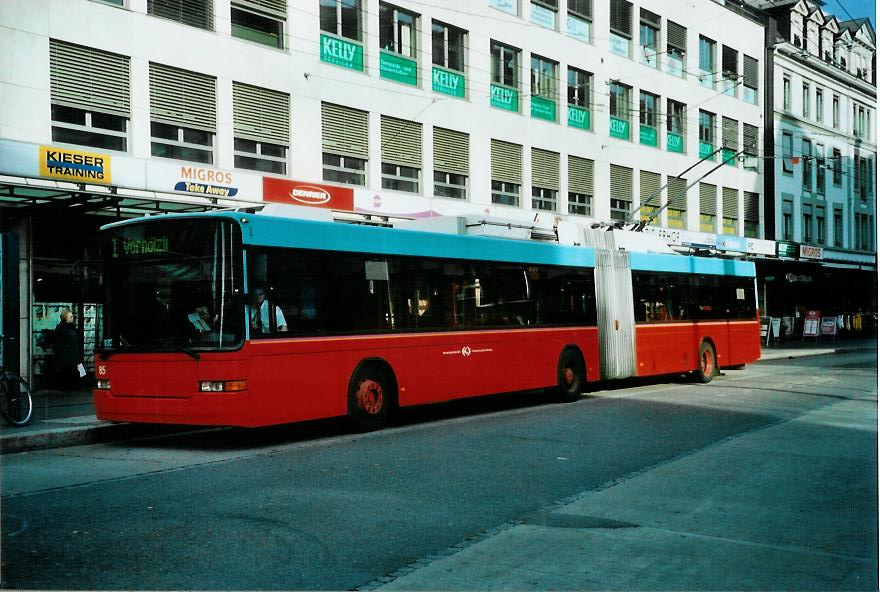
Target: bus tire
708	363
370	395
571	373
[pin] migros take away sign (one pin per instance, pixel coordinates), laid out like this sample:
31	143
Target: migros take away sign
73	165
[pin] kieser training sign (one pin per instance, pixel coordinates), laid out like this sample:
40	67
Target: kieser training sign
73	165
308	194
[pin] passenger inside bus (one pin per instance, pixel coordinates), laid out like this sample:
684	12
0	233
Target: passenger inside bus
260	312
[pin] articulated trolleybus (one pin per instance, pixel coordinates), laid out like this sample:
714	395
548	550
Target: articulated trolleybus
254	319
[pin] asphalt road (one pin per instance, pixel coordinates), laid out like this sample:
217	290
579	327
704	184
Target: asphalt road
313	507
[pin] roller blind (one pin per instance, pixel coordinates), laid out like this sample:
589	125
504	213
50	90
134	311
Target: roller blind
621	182
750	72
344	131
506	162
649	17
196	13
750	206
621	17
260	114
675	193
582	8
580	175
545	169
676	36
89	79
750	138
649	188
276	8
401	142
729	202
730	133
708	193
183	98
451	150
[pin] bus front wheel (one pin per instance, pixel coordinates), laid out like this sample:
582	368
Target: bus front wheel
708	363
571	375
370	394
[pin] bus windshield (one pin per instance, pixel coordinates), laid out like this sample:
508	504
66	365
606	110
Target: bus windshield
173	285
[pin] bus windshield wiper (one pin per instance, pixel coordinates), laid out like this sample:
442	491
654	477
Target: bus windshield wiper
191	353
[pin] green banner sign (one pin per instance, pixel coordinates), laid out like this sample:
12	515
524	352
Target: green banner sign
619	128
398	68
579	118
543	108
786	249
448	82
648	135
728	156
674	142
504	98
340	52
706	149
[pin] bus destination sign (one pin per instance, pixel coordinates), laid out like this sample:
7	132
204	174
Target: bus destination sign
127	247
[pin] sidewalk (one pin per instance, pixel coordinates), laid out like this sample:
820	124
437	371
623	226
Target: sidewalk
67	418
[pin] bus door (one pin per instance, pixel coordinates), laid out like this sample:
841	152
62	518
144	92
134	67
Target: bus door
614	308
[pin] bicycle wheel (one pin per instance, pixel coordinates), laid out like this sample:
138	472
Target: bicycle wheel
16	404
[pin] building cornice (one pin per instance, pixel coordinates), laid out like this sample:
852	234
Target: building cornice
791	52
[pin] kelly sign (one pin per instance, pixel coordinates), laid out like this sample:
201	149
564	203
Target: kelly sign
313	195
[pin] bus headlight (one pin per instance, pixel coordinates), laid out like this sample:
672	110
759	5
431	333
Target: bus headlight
222	386
102	384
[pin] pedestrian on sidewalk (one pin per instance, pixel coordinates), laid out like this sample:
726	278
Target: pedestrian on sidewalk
68	352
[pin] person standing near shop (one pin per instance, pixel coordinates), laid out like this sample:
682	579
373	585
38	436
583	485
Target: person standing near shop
68	352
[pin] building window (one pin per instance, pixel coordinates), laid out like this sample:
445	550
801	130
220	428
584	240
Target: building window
676	48
580	88
675	126
580	19
580	186
836	166
750	214
807	224
545	180
344	144
195	13
621	192
805	99
707	62
786	93
807	164
621	27
91	97
619	107
398	30
708	207
750	79
265	26
506	170
676	199
451	163
820	106
341	17
707	133
820	169
183	118
544	13
401	154
261	122
504	92
544	88
648	118
835	111
820	225
448	46
649	196
649	37
729	140
751	162
787	230
729	70
787	152
838	227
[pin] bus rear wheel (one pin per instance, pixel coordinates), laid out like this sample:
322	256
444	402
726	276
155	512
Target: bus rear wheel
370	395
571	375
708	363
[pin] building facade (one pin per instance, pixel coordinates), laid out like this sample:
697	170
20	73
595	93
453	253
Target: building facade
584	111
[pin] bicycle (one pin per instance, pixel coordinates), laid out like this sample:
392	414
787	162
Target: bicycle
16	403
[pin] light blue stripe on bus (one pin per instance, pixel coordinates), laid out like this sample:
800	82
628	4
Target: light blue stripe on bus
679	264
335	236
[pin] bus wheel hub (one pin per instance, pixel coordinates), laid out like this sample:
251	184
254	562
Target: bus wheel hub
369	396
568	374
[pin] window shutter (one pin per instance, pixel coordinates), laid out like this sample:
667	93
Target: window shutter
649	17
750	206
580	175
506	162
676	194
275	8
708	193
676	36
750	138
260	114
730	133
89	79
196	13
582	8
451	150
344	131
729	60
750	72
183	98
621	17
401	142
729	202
545	169
649	188
621	182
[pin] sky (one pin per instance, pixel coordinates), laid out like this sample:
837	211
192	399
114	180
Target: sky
857	8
